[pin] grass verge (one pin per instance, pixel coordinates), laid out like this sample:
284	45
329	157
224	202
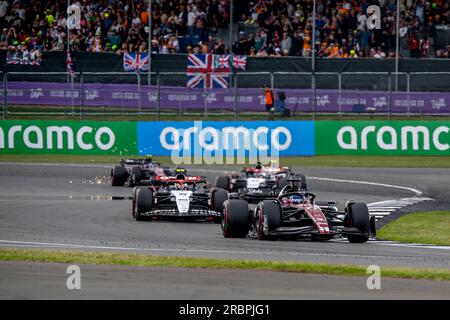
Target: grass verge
316	161
420	227
56	256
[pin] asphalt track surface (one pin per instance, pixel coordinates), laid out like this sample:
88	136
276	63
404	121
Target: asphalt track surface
22	280
71	207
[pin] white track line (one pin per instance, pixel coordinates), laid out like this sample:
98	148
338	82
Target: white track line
292	253
81	165
417	192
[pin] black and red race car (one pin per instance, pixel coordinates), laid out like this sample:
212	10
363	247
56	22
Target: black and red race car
294	213
138	171
179	197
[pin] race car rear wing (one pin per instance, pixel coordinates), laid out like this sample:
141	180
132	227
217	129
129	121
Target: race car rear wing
161	180
135	161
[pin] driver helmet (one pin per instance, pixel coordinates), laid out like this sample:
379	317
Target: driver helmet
178	186
296	199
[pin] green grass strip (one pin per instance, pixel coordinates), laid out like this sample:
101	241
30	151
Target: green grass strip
316	161
56	256
420	227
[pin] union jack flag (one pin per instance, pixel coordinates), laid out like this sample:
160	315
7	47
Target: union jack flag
224	61
240	62
136	62
206	71
69	63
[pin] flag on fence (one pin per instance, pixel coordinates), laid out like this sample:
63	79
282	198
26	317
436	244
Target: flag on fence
224	61
69	64
136	62
207	71
240	62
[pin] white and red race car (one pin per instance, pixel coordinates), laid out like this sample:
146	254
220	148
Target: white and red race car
179	197
260	177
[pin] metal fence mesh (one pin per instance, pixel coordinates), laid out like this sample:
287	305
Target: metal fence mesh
301	92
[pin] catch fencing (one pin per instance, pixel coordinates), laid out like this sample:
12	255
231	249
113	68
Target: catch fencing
119	93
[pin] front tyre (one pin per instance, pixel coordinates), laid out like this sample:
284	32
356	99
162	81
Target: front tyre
144	202
235	218
358	217
268	218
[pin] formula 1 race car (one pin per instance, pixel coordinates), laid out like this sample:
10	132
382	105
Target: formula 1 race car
138	171
295	214
254	184
178	197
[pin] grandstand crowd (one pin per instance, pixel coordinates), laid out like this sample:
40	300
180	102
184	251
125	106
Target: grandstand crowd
266	27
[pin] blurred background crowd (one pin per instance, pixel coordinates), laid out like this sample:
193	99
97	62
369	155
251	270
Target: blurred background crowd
262	27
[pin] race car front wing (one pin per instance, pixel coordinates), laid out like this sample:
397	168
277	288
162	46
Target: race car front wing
201	213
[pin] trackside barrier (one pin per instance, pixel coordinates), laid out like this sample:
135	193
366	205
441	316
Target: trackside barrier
122	93
226	138
67	137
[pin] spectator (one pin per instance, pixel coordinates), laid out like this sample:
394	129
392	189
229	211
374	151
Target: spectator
106	25
283	24
286	43
268	98
342	26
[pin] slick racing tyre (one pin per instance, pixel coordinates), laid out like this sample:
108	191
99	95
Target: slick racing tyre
303	184
118	176
358	217
223	182
135	177
269	216
218	197
133	201
144	202
235	219
281	183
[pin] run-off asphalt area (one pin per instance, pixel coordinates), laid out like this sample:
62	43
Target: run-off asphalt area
67	205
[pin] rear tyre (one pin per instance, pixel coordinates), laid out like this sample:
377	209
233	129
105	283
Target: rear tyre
135	177
269	216
144	202
235	218
303	184
223	182
118	176
218	197
281	183
358	217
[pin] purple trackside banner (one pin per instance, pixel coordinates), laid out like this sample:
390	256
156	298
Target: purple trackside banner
181	98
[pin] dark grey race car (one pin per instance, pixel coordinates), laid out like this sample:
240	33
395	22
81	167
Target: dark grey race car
138	171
